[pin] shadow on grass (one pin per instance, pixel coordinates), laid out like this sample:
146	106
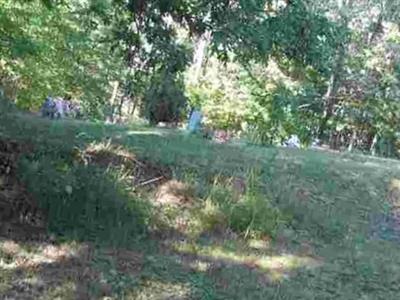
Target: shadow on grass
45	270
151	269
32	270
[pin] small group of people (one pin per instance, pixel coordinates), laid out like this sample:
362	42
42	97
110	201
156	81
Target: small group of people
58	108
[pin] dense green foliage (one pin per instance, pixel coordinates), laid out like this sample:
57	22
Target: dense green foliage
52	51
262	69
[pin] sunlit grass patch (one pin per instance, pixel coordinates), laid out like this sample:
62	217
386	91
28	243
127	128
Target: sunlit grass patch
66	290
29	255
276	266
159	290
42	270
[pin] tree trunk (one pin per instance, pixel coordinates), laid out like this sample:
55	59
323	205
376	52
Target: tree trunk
135	101
115	87
377	30
199	54
353	141
330	97
120	106
373	145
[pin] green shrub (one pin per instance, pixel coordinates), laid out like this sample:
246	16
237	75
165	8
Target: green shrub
251	215
211	217
254	216
164	101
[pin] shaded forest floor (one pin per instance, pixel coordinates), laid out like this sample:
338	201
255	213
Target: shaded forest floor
90	211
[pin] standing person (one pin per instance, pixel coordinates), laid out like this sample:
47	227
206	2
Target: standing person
67	105
48	108
59	111
75	110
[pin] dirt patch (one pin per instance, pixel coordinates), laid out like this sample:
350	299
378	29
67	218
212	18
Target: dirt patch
20	216
140	173
126	261
174	192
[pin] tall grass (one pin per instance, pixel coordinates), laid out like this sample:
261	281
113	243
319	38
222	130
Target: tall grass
84	202
251	214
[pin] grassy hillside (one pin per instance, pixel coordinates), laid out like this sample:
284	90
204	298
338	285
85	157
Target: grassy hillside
144	213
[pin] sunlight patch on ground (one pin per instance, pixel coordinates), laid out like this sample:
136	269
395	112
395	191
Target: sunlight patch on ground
65	290
277	267
200	266
159	290
40	270
383	164
142	132
259	244
13	255
108	147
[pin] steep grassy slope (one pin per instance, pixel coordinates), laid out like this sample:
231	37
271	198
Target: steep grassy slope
248	223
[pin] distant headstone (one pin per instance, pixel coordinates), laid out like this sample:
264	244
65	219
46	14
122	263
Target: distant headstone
195	121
